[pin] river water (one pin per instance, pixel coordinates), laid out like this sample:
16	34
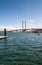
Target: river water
21	49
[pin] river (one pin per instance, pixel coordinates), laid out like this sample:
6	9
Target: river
21	49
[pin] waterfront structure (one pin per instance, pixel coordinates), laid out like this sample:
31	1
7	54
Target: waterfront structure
3	37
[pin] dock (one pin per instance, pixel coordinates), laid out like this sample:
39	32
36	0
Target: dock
3	37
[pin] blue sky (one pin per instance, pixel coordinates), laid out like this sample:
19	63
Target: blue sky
12	12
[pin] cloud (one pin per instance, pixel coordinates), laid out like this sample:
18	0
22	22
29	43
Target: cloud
7	27
34	23
31	20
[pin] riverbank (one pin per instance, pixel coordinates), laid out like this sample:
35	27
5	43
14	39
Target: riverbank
27	30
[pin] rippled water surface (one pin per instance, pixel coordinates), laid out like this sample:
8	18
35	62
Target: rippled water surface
21	49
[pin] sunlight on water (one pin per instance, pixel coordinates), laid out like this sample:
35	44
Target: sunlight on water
21	49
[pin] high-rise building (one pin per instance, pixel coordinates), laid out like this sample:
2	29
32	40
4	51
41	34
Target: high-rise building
22	24
25	24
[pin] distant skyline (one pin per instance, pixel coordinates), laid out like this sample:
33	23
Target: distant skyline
12	12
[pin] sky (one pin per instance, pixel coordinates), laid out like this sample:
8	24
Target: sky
13	12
